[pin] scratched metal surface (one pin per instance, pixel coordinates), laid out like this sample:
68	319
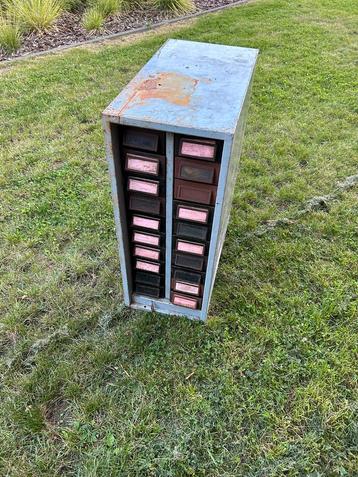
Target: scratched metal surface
189	86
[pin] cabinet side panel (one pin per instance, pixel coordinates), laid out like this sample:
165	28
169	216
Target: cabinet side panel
115	174
228	192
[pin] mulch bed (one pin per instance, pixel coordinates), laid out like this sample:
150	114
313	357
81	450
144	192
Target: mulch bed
68	30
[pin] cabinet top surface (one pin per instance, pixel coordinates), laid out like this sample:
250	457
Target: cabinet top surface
188	85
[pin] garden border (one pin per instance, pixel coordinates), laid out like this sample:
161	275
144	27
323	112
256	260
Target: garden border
114	36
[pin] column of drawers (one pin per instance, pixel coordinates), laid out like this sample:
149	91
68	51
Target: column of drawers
143	163
196	175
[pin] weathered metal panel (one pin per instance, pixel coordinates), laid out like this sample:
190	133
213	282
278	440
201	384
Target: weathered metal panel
197	88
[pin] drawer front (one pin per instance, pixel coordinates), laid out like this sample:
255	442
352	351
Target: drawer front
190	247
186	301
146	239
198	232
196	171
147	278
142	164
198	148
193	262
141	139
192	214
194	192
147	290
146	222
143	186
147	266
146	252
188	277
148	205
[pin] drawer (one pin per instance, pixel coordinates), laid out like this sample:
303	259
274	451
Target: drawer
197	171
144	186
194	248
147	205
146	266
142	164
198	232
147	290
186	301
187	282
201	215
150	223
141	139
147	278
146	252
198	148
146	239
193	262
194	192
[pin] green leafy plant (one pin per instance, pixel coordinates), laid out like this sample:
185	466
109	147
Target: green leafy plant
93	19
176	6
74	5
35	14
107	7
10	36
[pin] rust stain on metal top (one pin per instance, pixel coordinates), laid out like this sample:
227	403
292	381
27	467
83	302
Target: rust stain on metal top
172	87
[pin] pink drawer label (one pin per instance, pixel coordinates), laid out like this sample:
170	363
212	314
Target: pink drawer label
147	266
189	247
184	301
144	238
147	223
185	288
197	150
134	163
146	253
147	187
194	215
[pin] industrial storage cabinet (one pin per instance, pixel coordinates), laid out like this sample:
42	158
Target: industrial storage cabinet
173	140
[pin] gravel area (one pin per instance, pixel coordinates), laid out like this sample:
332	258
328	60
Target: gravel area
68	29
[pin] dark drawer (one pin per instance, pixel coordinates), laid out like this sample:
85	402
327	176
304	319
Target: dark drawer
198	232
141	139
147	290
147	278
151	223
150	240
194	192
147	205
142	163
146	253
197	171
193	262
186	301
201	215
198	148
193	248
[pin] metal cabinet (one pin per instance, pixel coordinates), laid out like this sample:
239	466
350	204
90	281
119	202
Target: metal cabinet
173	141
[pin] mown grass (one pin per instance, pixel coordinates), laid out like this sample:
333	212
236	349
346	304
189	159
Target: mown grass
269	386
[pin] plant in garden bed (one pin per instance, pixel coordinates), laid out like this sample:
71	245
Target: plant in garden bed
93	19
35	14
10	36
177	6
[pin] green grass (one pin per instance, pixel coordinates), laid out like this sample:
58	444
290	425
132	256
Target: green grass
268	388
177	6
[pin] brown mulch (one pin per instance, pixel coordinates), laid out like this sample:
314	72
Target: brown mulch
68	29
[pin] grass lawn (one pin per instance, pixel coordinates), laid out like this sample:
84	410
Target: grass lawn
269	386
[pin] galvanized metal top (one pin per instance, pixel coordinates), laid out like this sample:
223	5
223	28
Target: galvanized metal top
186	85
